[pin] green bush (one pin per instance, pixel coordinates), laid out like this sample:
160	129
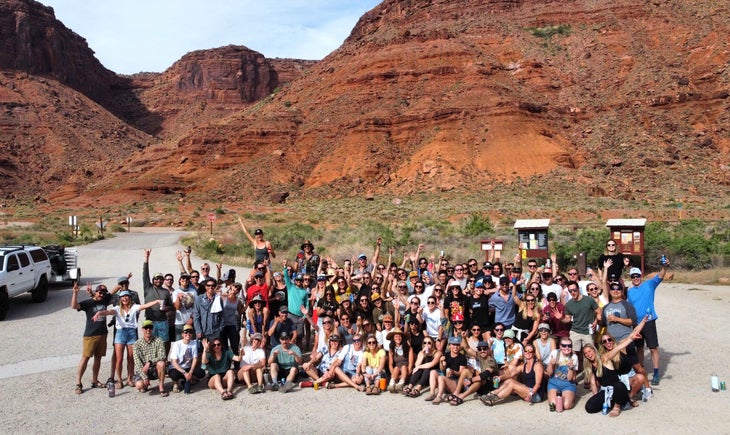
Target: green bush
476	225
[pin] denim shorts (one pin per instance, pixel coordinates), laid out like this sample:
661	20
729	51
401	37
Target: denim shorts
561	385
127	336
161	329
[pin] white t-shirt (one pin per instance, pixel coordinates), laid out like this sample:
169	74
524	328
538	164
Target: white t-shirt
251	356
433	321
350	358
128	320
183	353
183	314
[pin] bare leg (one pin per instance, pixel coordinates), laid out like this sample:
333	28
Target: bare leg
130	363
95	369
83	363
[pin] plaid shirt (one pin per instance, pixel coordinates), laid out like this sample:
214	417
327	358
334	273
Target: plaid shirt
143	351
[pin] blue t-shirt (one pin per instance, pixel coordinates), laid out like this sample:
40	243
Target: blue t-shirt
642	298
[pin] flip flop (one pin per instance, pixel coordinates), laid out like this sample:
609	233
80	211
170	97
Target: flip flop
79	389
455	400
97	384
164	394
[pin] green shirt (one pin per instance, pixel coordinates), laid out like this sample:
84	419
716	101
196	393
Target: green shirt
285	360
583	312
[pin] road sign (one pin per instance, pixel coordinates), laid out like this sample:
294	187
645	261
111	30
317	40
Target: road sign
211	217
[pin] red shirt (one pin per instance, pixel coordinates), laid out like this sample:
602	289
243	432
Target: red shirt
256	289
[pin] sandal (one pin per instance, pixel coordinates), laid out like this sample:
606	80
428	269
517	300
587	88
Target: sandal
369	390
430	397
437	400
97	384
406	390
164	393
360	388
615	412
120	385
79	389
330	385
415	392
487	399
226	395
455	400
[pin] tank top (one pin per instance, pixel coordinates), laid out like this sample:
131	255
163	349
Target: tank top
261	254
230	313
544	349
609	377
528	378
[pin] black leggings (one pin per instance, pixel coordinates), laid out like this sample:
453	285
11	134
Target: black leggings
175	375
420	377
620	397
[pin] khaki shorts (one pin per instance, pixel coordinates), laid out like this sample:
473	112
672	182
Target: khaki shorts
94	346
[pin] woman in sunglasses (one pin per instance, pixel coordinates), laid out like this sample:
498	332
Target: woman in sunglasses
561	370
528	316
618	261
431	317
633	381
602	371
530	389
372	365
426	362
218	362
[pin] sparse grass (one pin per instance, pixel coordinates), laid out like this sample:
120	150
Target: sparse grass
715	276
547	32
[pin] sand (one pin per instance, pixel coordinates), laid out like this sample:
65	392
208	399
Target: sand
42	344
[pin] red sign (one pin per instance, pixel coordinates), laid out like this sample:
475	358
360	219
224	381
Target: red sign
211	217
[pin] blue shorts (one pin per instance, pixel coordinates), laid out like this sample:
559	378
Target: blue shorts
127	336
561	385
161	329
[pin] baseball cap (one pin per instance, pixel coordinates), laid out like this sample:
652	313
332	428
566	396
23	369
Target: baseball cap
188	328
147	324
257	336
122	279
454	340
634	271
284	335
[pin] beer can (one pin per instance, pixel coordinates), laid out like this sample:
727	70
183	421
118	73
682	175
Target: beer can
162	305
722	386
315	385
495	382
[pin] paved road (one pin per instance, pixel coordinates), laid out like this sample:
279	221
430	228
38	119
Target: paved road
57	327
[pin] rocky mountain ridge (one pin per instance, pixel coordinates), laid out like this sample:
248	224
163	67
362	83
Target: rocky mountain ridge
624	100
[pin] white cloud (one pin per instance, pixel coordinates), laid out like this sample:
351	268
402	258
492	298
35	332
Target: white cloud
130	36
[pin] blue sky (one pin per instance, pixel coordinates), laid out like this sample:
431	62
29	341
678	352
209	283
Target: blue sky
130	36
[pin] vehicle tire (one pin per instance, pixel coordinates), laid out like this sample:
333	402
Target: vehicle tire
4	304
40	293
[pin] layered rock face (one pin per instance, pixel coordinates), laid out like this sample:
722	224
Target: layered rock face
620	99
612	99
33	41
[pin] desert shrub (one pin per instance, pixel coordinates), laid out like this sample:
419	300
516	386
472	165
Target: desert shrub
476	225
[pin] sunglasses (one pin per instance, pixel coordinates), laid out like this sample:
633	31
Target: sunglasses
572	273
532	266
607	340
372	342
402	286
498	329
431	303
475	329
210	285
634	276
428	343
610	244
217	345
357	340
194	276
328	322
187	332
566	345
482	349
147	327
529	350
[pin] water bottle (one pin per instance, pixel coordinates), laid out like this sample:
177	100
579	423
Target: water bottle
663	260
248	326
714	383
559	403
649	315
547	264
113	389
604	410
186	387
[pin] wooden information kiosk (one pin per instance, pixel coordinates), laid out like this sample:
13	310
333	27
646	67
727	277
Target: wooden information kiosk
532	237
629	237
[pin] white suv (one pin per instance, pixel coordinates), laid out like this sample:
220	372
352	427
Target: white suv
23	269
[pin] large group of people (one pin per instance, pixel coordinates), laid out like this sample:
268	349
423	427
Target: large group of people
451	329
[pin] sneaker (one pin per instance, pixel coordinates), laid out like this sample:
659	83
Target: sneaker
274	387
646	394
655	380
391	387
288	386
261	388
